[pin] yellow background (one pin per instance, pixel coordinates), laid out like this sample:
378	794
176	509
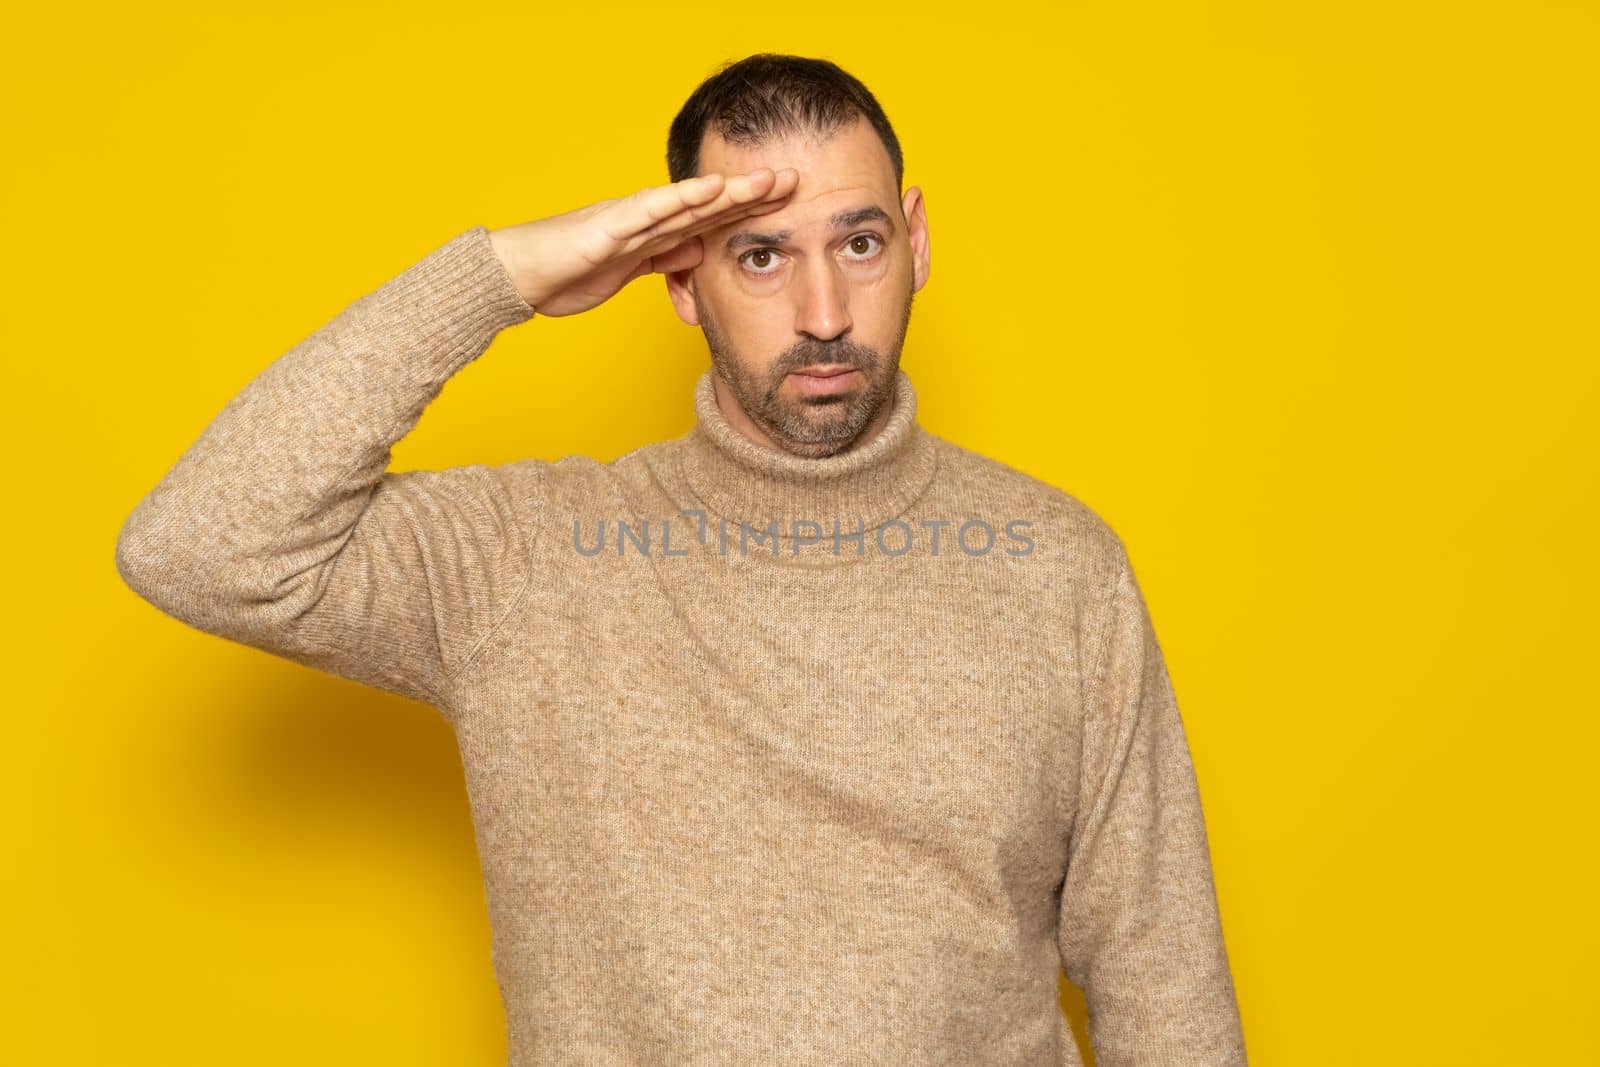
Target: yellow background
1300	297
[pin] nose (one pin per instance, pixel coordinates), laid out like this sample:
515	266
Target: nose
822	301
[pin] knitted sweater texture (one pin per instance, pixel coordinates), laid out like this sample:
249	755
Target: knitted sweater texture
770	759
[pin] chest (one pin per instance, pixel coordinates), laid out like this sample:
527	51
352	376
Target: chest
903	717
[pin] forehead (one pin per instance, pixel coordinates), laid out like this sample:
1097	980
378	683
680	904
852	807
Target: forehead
849	158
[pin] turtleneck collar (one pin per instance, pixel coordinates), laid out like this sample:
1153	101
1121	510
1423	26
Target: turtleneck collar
744	481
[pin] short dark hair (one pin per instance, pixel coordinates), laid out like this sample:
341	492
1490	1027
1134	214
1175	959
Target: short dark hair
768	95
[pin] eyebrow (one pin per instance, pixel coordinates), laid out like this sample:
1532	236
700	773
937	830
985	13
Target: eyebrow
840	220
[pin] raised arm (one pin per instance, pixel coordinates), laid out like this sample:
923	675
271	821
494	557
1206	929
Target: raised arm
281	528
1140	932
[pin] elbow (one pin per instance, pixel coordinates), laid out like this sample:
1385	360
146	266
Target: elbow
150	564
184	581
141	562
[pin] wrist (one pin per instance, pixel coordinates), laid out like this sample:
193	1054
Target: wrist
504	244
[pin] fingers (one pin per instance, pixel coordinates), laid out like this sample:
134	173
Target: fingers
685	228
708	200
690	223
634	214
744	194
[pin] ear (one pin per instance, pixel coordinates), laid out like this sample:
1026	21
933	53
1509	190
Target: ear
680	287
915	213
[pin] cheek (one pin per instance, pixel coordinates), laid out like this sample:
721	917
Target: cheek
891	274
883	289
752	322
880	282
750	292
739	303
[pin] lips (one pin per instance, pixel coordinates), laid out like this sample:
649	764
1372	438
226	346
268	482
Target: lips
826	382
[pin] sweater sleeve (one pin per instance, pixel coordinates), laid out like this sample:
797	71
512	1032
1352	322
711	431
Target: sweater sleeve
280	528
1139	928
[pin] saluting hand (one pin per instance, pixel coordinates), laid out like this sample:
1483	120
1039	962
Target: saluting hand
574	261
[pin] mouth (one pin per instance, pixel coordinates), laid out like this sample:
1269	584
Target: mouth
828	380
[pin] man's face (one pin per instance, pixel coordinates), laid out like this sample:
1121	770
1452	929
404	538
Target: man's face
823	284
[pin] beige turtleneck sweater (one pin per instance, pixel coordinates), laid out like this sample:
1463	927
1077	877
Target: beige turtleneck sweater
742	793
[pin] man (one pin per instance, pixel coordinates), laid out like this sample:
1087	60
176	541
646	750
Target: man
806	737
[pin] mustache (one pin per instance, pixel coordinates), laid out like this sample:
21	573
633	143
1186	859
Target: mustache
818	355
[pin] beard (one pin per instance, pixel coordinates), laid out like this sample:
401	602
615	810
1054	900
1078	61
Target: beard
811	426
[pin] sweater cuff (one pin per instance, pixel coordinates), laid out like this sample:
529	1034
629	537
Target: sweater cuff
450	304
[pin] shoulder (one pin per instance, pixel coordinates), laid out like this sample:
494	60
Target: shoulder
579	485
569	481
1068	529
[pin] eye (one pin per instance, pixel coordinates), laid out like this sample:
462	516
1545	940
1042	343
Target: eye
748	259
863	237
767	265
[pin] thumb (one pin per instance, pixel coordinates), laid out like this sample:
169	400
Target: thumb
681	257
